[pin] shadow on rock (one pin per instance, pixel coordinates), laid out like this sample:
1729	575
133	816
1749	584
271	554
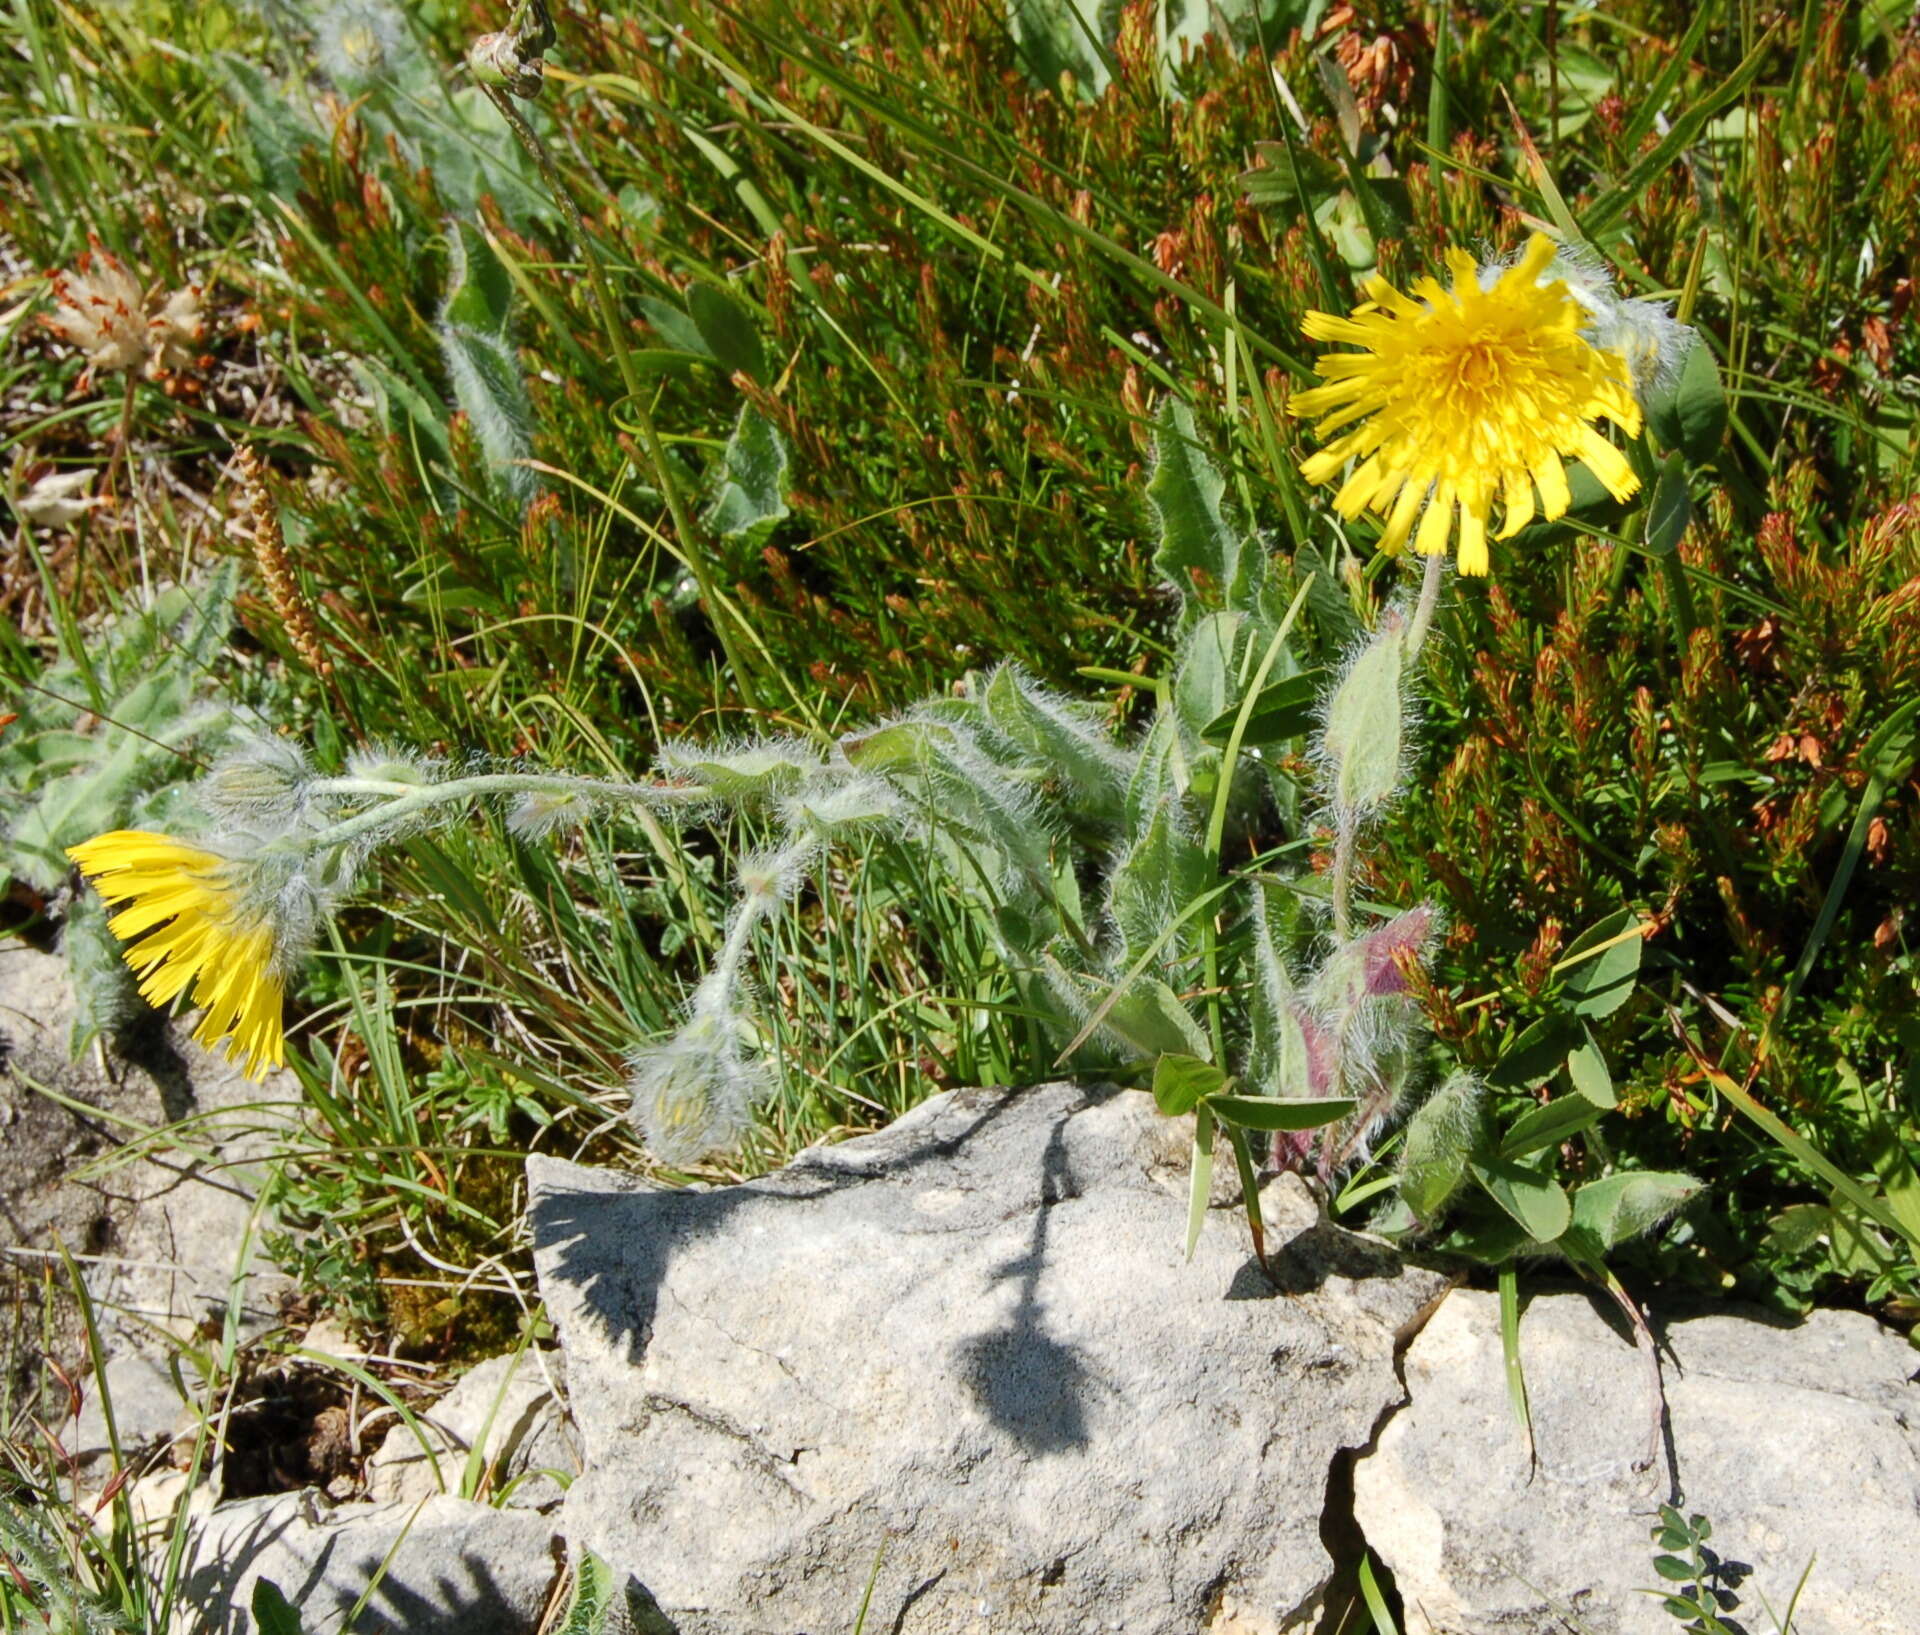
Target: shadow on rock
1029	1384
1304	1263
569	1223
444	1568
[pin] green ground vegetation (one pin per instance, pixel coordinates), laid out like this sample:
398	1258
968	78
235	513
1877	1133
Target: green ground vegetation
850	391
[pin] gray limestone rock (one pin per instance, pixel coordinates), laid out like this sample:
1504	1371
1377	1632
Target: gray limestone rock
965	1359
164	1230
451	1567
1797	1443
507	1407
158	1228
146	1400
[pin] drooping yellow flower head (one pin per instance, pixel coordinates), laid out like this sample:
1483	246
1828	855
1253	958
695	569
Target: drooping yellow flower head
1464	394
197	923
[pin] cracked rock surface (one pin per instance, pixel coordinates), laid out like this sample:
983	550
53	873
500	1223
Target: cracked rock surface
1796	1442
964	1358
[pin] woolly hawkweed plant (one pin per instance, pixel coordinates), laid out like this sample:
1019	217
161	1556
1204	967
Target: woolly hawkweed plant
1458	396
1138	888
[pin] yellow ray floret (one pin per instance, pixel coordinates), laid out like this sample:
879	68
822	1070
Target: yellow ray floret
1462	396
194	927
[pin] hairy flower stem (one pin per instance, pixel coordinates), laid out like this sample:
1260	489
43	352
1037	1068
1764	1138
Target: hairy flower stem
406	799
693	542
756	906
1342	880
1423	610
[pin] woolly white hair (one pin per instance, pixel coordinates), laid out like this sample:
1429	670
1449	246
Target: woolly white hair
742	768
1324	759
694	1094
358	40
1653	342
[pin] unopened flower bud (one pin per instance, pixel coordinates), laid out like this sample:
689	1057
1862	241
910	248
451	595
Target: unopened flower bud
387	765
1361	743
544	812
694	1094
260	786
768	878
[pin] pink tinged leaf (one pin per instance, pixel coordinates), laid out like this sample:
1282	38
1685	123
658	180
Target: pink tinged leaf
1382	950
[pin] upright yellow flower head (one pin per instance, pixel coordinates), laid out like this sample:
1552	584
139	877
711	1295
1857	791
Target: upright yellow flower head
1462	393
212	933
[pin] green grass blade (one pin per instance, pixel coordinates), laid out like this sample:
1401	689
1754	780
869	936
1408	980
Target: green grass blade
1510	1354
1375	1598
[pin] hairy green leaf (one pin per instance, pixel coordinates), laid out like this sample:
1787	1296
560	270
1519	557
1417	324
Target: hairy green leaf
1365	719
1199	549
1623	1206
490	390
1440	1138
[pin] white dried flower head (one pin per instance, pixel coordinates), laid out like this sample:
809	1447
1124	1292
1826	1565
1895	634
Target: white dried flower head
357	41
175	332
100	309
59	499
694	1094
